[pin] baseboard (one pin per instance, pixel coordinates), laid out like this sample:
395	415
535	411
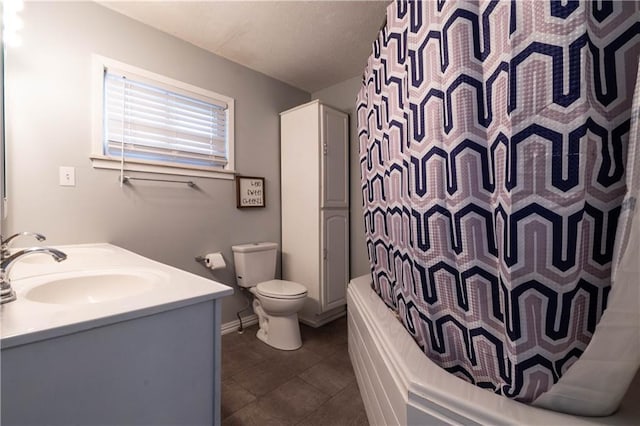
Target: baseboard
324	318
232	326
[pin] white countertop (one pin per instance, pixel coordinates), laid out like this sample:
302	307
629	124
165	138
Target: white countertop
24	321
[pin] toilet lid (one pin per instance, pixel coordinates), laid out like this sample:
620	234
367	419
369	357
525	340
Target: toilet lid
281	289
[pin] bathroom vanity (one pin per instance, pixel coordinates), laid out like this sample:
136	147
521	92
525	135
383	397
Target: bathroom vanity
109	337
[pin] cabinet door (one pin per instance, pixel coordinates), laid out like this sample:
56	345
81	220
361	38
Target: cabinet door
335	157
335	258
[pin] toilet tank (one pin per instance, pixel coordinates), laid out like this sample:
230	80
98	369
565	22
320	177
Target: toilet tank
255	263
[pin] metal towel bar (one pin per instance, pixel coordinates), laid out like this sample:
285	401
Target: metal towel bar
189	183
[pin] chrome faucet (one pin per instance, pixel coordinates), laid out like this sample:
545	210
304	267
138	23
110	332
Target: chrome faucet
4	242
6	292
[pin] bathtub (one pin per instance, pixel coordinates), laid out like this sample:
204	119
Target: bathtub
401	386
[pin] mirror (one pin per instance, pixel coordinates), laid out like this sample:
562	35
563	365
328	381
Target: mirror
3	186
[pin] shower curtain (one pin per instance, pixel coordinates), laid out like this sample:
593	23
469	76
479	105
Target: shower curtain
495	137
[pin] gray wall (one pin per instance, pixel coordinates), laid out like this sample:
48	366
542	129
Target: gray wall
343	96
48	123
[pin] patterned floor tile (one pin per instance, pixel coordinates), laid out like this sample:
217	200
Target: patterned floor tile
234	397
344	409
313	385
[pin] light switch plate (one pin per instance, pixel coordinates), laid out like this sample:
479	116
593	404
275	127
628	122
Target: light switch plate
67	176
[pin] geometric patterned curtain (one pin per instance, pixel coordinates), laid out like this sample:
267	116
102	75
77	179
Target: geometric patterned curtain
493	142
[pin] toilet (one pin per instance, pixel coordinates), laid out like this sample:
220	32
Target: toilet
276	302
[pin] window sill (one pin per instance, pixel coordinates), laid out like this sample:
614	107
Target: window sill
102	162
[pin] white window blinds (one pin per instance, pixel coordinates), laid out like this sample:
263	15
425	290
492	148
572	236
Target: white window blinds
150	122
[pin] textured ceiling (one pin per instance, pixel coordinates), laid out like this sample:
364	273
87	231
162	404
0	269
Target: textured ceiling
307	44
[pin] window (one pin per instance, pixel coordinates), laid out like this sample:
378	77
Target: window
152	123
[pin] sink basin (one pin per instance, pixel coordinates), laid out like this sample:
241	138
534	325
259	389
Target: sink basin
86	288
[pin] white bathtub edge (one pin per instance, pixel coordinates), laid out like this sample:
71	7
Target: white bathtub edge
405	387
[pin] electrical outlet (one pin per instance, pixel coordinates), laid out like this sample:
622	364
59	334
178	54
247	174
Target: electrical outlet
67	176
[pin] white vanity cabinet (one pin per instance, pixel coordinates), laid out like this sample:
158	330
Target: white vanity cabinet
131	342
315	207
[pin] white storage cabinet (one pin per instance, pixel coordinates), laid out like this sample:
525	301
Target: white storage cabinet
315	207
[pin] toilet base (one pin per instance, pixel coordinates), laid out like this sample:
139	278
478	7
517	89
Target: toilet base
280	332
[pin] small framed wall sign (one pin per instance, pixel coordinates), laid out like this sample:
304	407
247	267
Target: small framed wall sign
249	192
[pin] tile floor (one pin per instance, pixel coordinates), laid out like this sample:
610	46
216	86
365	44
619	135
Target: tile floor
313	385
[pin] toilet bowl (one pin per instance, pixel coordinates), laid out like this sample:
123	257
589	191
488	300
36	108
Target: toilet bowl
278	312
276	302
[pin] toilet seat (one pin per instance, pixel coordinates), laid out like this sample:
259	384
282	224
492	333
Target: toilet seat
281	289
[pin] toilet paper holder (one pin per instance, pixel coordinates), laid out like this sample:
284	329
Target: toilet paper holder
212	261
